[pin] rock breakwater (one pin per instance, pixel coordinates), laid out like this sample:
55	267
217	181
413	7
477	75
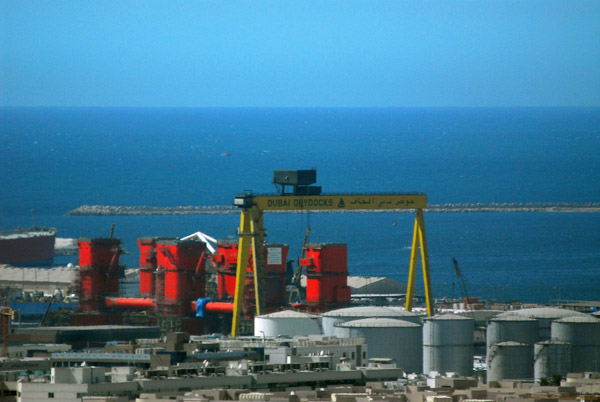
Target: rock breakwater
112	210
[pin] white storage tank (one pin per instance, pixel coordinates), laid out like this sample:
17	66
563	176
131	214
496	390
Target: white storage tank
330	318
387	337
551	358
448	344
287	322
544	315
512	328
510	361
583	333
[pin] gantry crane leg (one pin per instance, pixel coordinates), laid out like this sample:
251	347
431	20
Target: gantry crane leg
242	266
256	226
252	236
425	263
419	243
414	249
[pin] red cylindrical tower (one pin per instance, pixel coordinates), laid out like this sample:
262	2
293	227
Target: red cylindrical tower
99	271
180	275
327	275
147	246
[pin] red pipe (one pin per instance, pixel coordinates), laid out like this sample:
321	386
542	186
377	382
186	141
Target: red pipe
218	307
141	303
129	302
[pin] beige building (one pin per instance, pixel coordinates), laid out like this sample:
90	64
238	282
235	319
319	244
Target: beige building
47	280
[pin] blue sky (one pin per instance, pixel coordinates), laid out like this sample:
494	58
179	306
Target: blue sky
300	53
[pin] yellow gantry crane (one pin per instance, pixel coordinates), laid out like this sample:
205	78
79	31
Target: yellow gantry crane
305	197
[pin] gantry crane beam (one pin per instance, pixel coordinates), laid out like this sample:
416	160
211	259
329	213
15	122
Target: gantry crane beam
252	233
339	202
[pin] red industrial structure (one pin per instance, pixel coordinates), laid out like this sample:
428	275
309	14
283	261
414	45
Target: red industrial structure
173	276
326	276
275	257
180	275
99	271
173	280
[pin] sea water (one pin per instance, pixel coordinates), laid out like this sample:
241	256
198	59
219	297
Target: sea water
56	159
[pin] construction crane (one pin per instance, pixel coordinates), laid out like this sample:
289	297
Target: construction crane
297	278
305	197
6	314
47	311
462	280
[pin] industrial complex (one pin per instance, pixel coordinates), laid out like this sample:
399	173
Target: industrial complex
216	320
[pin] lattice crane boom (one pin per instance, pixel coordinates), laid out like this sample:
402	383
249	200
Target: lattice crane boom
6	314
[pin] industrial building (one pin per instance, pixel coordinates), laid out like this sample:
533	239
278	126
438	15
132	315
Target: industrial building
33	279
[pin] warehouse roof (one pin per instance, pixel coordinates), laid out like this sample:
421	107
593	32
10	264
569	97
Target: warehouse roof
66	275
375	285
370	285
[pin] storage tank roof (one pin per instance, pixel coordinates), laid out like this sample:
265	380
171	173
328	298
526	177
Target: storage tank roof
368	311
449	317
288	314
553	342
542	312
378	323
580	319
511	343
513	318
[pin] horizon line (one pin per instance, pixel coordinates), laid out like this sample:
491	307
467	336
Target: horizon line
293	107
